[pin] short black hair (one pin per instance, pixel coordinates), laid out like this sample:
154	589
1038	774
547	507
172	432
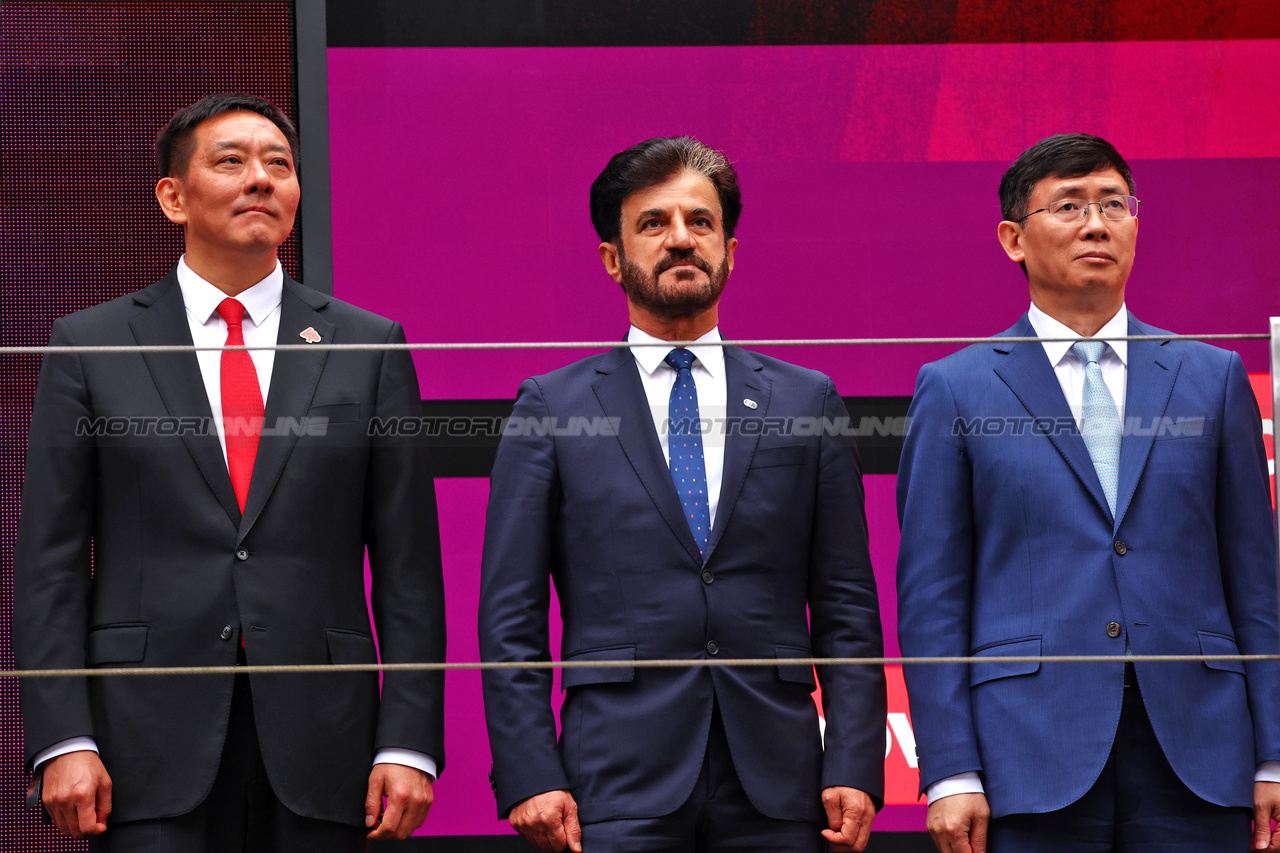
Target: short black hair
1064	155
176	141
650	163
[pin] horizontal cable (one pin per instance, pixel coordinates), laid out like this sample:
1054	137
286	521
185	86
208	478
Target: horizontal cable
524	345
617	664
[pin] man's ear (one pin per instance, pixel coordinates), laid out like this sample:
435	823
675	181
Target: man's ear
1010	235
170	193
612	261
729	246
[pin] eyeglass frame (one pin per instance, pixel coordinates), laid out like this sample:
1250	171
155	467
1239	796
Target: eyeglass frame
1085	207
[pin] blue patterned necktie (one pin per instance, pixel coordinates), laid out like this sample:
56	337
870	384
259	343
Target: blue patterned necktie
684	445
1099	419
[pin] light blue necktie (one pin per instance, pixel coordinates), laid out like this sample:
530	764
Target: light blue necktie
1099	419
684	445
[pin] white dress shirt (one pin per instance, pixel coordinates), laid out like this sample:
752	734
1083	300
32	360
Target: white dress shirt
659	378
261	326
1070	373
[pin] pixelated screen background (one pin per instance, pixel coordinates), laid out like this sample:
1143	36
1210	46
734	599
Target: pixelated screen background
83	90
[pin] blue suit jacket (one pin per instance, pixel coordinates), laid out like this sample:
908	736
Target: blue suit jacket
1009	548
599	515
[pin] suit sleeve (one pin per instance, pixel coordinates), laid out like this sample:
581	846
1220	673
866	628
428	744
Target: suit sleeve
845	616
524	501
935	573
402	533
52	554
1247	553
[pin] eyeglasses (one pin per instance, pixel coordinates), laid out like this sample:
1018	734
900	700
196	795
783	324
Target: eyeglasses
1072	211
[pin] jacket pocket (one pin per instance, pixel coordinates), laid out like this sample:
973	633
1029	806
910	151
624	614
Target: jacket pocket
798	673
980	671
350	646
117	644
336	413
1220	644
773	457
578	676
1171	429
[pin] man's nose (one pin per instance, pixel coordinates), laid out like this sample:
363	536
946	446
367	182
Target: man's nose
1096	225
678	235
259	178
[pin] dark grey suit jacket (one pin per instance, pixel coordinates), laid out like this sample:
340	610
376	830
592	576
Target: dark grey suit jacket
124	469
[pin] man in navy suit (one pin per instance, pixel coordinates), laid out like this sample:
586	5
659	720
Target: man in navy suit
666	538
1099	498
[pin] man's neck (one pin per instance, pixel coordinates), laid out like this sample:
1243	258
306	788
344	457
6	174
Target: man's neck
232	274
1083	317
677	329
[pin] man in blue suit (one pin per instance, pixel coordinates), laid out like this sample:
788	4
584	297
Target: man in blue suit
1098	498
666	538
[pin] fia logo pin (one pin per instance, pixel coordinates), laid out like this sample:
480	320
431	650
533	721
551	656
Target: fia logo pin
310	335
749	403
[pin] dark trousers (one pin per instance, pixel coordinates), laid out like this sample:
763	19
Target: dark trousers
241	813
1138	805
717	816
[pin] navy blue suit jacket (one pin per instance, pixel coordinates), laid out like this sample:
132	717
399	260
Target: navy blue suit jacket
1009	549
787	575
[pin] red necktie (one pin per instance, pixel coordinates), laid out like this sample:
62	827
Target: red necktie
242	410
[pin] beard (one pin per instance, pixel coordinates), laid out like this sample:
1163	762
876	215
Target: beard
680	300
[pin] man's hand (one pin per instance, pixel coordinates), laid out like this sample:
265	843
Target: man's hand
958	823
77	793
408	792
849	814
549	821
1266	808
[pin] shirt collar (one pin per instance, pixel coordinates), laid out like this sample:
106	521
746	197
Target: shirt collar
651	358
1047	327
202	299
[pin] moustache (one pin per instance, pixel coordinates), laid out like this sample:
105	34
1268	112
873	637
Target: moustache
683	258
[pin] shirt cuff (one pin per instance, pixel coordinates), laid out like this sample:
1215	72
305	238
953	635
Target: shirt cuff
961	783
1268	771
88	744
410	758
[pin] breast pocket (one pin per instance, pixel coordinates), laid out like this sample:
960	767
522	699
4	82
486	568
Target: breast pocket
335	413
777	457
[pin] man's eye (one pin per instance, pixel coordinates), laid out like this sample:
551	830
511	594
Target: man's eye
1114	203
1066	207
651	223
702	223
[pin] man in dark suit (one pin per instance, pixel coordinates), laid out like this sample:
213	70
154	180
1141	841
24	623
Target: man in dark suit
667	538
225	500
1098	498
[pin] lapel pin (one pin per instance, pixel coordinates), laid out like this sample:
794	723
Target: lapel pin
310	335
749	403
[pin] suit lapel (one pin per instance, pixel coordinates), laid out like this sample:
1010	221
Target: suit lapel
1152	370
178	380
743	380
294	377
621	395
1027	372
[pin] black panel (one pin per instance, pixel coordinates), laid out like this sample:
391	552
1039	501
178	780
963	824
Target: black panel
465	433
592	23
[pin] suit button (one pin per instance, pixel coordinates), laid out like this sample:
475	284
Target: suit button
242	554
226	632
1121	548
707	577
713	648
1113	629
